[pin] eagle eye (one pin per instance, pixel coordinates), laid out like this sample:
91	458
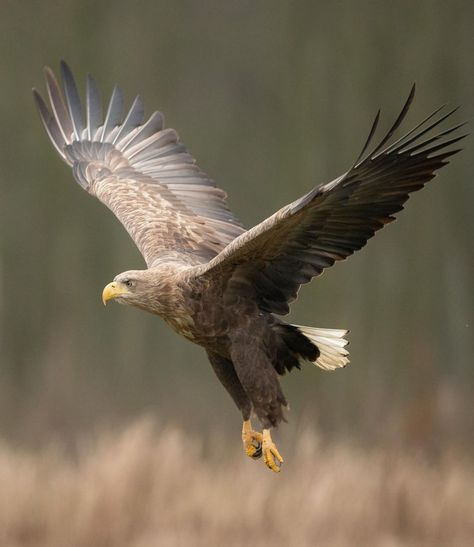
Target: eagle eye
128	283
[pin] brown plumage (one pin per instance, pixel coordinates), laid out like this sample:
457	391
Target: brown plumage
210	279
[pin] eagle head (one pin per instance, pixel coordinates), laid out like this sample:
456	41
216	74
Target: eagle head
133	287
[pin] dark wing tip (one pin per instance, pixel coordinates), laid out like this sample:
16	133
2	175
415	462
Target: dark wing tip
397	123
50	77
373	128
72	100
64	66
66	74
360	158
39	101
49	122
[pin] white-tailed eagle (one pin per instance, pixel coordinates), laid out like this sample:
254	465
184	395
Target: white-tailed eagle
216	283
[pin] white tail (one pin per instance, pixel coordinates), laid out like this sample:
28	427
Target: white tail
331	343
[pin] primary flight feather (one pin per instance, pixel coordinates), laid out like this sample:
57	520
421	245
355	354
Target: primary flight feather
214	282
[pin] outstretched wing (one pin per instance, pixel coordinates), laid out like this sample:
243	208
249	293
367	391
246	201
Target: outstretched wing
298	242
139	170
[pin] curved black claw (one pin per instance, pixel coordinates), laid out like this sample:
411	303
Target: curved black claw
258	451
253	441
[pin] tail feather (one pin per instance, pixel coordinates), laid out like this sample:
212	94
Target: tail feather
331	345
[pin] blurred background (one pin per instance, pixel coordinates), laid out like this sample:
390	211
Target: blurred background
272	98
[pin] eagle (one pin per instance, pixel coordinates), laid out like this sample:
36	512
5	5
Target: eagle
217	284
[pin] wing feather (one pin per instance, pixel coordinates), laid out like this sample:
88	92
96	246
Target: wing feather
333	220
396	124
114	113
148	129
72	101
140	170
133	119
93	107
50	123
60	112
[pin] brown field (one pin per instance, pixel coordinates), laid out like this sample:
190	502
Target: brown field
141	487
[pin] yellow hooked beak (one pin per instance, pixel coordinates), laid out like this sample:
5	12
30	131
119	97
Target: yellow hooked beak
112	290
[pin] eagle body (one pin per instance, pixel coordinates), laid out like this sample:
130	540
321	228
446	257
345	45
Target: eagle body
233	331
214	282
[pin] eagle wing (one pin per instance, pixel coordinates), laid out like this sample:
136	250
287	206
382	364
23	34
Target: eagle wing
139	170
272	260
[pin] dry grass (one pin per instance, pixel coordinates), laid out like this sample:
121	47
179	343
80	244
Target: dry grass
140	488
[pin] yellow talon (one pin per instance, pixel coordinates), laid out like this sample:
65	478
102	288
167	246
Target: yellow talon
252	441
271	456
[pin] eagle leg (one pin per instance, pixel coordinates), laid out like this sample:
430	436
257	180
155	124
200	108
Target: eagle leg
271	456
252	441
